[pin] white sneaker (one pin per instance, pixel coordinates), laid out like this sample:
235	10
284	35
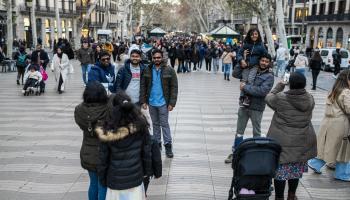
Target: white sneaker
23	91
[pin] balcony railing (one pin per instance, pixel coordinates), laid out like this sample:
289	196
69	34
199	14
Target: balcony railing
331	17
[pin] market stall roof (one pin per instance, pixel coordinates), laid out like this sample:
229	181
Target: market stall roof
223	30
158	31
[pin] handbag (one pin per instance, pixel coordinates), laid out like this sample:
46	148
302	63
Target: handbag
70	69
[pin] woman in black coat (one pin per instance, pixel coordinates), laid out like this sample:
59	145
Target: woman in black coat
125	150
315	66
87	114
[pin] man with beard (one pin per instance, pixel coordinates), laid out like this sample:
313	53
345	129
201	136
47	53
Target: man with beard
103	72
40	57
159	90
259	84
129	76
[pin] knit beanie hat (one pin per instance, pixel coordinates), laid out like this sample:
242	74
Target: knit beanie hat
297	81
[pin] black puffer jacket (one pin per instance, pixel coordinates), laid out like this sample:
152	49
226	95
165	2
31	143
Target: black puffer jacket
86	116
125	157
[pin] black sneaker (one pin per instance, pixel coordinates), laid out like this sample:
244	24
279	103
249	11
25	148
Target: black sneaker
17	82
168	151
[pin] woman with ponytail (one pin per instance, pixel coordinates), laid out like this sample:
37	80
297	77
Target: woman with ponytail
125	151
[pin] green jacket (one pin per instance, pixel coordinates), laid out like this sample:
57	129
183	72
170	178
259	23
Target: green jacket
169	84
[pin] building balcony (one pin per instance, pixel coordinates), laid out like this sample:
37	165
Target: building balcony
331	17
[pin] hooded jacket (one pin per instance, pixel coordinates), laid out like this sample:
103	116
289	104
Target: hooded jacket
104	75
86	115
291	124
125	157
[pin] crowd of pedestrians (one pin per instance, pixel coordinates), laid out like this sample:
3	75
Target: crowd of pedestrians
126	82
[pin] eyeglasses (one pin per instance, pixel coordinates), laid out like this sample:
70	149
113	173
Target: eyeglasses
157	57
105	59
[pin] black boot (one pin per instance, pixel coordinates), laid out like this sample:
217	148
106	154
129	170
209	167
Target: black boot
225	76
17	82
168	151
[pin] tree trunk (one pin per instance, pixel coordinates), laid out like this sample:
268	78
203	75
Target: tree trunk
280	23
33	25
130	31
58	20
77	34
264	16
9	29
88	13
107	14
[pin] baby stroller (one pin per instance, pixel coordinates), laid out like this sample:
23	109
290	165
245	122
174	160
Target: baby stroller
254	164
36	87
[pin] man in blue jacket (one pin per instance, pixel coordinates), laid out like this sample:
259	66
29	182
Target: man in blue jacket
260	82
129	76
103	72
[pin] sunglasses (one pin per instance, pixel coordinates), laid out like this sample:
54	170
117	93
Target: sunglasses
157	57
105	59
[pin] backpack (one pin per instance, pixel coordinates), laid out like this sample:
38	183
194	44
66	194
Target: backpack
21	60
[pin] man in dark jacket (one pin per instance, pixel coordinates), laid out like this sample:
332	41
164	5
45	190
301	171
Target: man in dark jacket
40	57
336	62
86	57
172	55
159	90
103	72
259	84
129	76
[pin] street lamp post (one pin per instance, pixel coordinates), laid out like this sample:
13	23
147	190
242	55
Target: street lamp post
30	42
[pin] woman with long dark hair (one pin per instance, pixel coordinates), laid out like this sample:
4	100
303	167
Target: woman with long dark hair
87	115
60	65
315	66
125	151
333	145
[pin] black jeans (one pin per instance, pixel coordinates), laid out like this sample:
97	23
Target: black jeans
31	82
172	62
60	82
280	185
20	73
336	68
180	65
208	64
314	77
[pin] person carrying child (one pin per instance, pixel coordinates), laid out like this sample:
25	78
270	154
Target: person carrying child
248	58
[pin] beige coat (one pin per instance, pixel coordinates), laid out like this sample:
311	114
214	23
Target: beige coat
335	126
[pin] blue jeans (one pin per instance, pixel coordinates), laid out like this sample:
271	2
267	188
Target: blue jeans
159	116
281	67
216	64
300	70
96	190
227	68
342	170
84	70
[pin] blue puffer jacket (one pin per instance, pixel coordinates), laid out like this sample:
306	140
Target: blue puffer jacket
262	84
124	76
104	75
255	51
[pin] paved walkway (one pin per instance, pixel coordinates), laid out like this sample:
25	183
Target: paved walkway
40	143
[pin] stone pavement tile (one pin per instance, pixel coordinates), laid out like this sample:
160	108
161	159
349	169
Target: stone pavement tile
75	195
190	189
37	196
189	196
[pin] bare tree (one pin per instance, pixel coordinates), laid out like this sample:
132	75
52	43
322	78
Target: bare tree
9	29
33	23
107	14
280	23
58	20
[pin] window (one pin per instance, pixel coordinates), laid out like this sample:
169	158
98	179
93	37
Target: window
322	8
324	53
331	8
341	8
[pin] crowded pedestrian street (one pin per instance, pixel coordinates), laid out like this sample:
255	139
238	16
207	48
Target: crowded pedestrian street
40	143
